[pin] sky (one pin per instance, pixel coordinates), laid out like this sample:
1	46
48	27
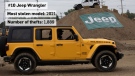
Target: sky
62	6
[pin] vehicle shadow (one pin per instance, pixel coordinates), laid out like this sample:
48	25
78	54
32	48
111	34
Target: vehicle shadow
65	71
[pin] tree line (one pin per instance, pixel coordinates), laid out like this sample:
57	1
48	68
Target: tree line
130	15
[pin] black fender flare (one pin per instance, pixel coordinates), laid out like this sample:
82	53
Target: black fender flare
29	50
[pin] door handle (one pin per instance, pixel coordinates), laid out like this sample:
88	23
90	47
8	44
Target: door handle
59	44
39	44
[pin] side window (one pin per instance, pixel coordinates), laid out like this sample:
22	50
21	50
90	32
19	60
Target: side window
21	34
86	1
43	34
65	34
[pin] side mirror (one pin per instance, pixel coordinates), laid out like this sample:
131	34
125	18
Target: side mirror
76	37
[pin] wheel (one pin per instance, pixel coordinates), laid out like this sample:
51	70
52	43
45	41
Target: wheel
3	42
25	63
105	61
78	6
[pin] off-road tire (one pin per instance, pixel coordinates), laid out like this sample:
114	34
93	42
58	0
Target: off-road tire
78	7
105	61
25	63
3	42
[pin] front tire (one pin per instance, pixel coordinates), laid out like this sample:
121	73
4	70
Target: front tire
25	63
105	61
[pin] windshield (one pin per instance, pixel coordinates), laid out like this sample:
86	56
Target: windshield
88	0
84	1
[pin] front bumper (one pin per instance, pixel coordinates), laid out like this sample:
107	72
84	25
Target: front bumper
7	59
119	55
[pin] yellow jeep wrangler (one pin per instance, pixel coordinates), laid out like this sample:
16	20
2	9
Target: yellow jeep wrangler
29	47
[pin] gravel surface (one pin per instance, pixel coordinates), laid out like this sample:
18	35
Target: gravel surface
125	67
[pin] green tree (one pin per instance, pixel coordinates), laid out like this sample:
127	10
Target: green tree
57	17
69	11
130	15
2	24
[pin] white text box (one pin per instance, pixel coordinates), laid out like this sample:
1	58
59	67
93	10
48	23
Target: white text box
30	22
26	5
32	13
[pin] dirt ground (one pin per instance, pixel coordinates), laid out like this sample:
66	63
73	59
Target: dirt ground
125	67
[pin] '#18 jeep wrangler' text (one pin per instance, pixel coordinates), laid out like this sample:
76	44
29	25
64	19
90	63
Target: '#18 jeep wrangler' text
29	47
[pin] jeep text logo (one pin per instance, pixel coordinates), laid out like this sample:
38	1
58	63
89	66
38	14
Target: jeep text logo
102	19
